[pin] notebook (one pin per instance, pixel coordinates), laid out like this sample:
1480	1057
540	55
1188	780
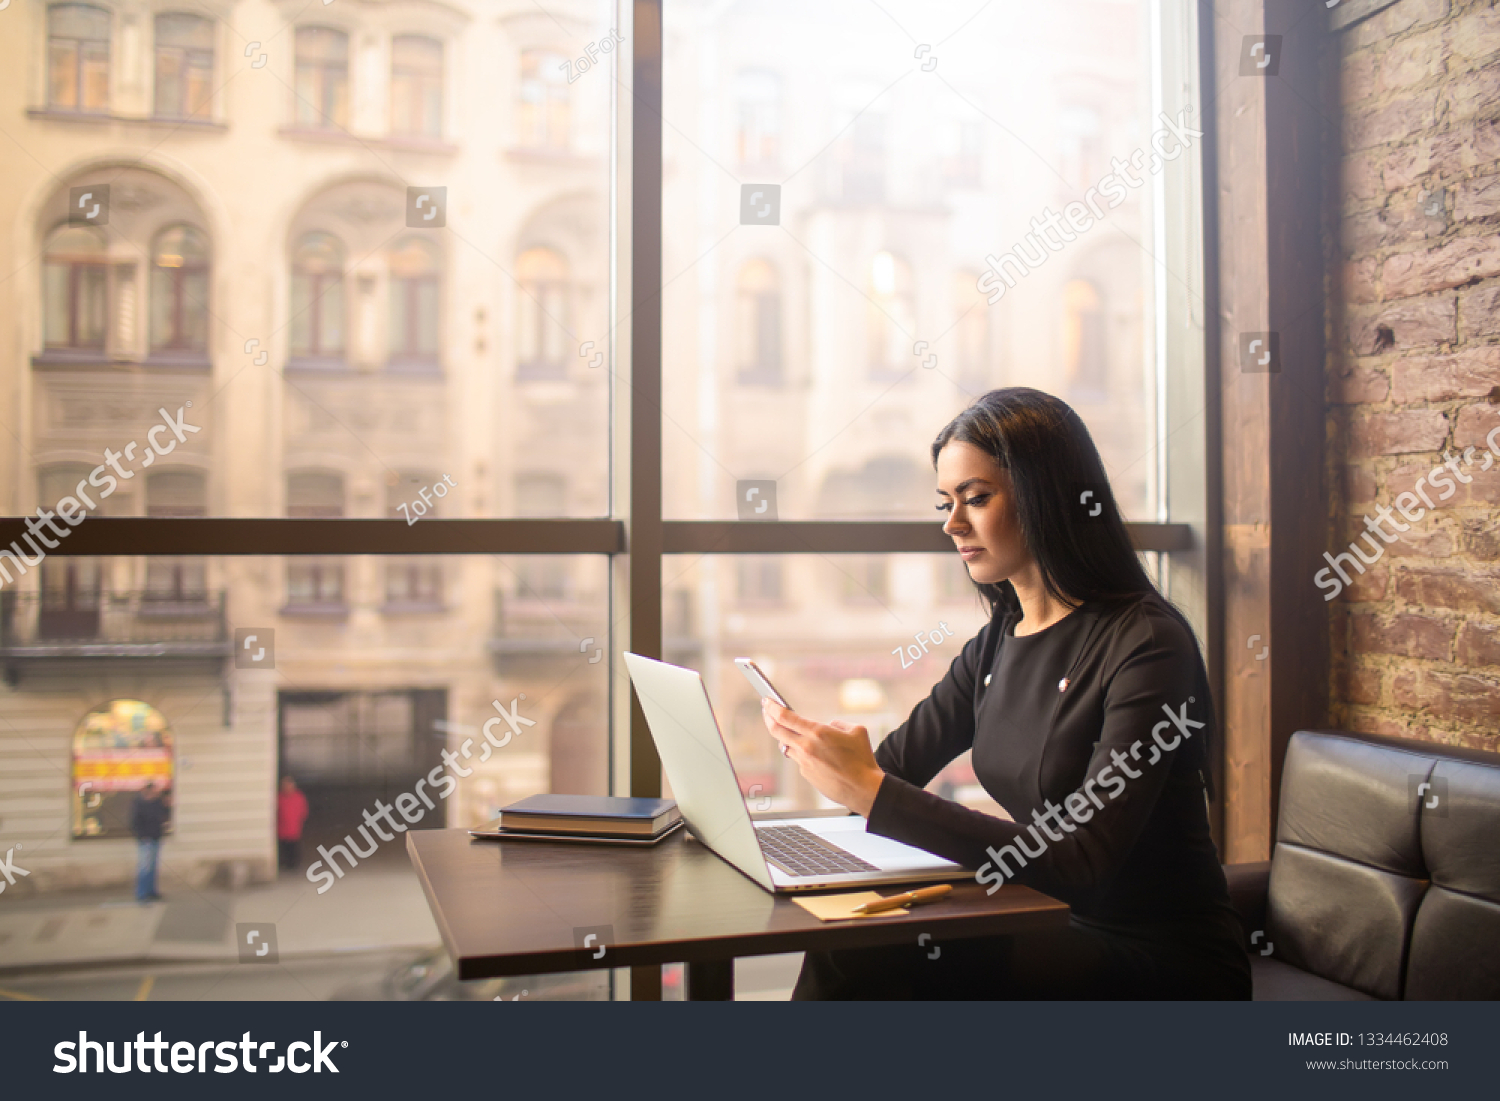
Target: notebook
590	815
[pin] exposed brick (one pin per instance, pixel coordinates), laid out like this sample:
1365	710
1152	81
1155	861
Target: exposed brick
1452	265
1354	384
1405	221
1397	18
1413	60
1477	198
1478	644
1420	543
1471	373
1413	636
1359	484
1475	423
1462	696
1475	35
1359	281
1482	488
1397	433
1363	721
1358	77
1430	161
1393	122
1412	322
1361	683
1473	95
1364	588
1481	539
1461	590
1480	309
1360	178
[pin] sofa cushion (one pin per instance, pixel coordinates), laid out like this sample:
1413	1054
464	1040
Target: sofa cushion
1457	928
1281	982
1353	799
1340	919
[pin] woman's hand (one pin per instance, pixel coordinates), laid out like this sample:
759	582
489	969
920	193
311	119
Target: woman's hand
833	757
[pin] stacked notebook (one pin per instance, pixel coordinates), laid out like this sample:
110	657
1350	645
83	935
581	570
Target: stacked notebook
586	818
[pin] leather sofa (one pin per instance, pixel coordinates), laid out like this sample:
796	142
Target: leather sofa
1384	882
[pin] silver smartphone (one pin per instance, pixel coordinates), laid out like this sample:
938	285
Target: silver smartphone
760	682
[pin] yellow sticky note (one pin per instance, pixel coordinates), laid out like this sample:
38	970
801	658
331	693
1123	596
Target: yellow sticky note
837	907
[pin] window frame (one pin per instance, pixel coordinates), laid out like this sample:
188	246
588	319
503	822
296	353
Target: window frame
634	535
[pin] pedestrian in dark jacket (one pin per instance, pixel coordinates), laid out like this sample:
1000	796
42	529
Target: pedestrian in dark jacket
149	813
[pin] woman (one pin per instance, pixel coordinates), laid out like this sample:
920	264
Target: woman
1086	704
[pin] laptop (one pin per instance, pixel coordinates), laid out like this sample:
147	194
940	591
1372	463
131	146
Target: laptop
783	856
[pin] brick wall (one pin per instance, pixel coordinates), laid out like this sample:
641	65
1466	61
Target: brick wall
1414	373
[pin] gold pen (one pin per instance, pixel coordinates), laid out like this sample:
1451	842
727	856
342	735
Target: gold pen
910	898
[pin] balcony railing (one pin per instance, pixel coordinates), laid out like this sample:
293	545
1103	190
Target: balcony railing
112	625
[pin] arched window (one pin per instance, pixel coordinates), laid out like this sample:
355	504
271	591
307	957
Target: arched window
758	323
78	57
1084	363
179	291
892	317
322	90
184	65
75	290
318	298
414	303
541	314
542	115
118	749
416	85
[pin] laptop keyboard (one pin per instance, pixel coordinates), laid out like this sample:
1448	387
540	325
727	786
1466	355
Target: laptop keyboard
798	851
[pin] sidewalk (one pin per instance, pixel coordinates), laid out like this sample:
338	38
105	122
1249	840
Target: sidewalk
370	908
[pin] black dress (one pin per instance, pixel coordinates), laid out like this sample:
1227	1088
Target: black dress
1093	735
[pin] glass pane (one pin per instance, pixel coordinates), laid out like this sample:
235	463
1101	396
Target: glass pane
861	638
830	303
204	674
183	29
62	74
435	326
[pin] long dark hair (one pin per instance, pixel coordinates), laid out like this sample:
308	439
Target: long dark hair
1066	509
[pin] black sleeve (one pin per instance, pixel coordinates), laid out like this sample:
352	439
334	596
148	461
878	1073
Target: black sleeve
941	727
1091	839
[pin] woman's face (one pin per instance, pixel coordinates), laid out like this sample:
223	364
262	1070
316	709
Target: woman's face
981	509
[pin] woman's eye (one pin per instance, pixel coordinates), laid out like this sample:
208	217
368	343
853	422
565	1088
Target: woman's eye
979	500
946	506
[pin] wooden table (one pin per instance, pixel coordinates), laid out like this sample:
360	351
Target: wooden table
529	907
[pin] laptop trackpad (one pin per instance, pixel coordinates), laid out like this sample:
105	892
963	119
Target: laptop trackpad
848	832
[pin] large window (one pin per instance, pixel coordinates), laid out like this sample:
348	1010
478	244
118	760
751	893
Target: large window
414	267
416	86
179	291
317	321
78	57
595	352
543	114
322	87
75	290
184	65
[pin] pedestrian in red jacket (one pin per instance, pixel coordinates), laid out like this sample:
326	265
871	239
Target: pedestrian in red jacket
291	813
